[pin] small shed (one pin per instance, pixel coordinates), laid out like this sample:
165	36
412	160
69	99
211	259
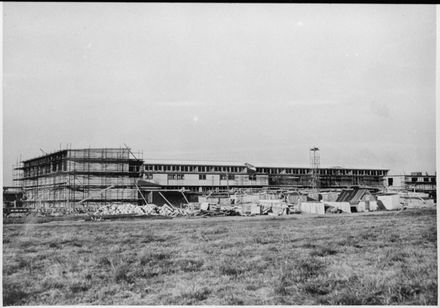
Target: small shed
354	196
389	201
360	199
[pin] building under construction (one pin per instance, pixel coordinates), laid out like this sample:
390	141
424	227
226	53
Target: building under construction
88	178
201	176
80	177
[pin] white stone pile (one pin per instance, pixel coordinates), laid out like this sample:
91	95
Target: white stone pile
126	209
138	210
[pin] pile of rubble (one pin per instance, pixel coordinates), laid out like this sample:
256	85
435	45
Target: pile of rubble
140	210
242	205
125	208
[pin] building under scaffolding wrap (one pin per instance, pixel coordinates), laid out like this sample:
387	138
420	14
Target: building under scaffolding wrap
80	178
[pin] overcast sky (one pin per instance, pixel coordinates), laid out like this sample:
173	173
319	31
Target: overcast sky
237	82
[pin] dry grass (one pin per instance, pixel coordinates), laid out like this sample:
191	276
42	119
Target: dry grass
381	258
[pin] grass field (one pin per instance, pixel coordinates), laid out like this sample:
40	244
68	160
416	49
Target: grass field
352	259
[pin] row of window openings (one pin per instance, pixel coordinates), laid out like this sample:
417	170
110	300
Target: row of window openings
414	180
63	167
46	169
259	170
193	168
252	177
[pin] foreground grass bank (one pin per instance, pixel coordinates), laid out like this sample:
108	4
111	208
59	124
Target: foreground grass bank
380	258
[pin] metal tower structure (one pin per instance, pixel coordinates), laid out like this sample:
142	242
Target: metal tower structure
314	165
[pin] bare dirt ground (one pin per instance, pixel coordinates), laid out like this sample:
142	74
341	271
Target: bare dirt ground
371	258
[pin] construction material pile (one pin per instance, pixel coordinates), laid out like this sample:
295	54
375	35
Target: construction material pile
166	210
126	208
141	210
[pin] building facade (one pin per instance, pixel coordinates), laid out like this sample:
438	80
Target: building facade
414	182
202	176
73	178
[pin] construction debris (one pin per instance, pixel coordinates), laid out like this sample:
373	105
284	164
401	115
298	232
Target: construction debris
273	203
126	208
140	210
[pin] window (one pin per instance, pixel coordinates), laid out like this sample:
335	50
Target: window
390	182
231	177
413	180
175	176
202	176
252	177
223	177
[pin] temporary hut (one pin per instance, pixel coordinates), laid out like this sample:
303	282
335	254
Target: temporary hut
359	199
389	201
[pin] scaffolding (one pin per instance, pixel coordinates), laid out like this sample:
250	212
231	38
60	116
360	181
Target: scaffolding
80	178
314	168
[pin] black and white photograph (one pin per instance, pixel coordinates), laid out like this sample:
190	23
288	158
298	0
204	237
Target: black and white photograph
215	154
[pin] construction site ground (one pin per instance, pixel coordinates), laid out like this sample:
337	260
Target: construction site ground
378	258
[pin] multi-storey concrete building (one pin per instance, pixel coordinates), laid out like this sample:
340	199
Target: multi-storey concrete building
91	177
79	176
206	175
413	182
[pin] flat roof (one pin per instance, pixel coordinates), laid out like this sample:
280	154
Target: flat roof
64	150
237	164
